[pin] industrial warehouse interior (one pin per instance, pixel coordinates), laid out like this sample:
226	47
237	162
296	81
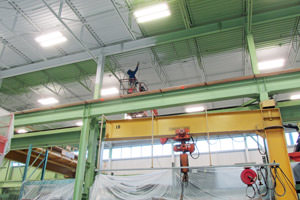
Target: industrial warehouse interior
149	100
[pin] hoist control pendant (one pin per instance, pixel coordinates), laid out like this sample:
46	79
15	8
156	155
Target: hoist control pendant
248	176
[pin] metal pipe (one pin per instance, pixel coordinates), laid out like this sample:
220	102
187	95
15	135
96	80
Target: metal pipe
190	167
152	138
45	165
27	162
100	143
99	76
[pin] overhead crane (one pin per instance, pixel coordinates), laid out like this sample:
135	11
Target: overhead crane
265	122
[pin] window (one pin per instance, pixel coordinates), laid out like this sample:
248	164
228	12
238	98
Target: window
126	152
167	149
116	153
226	144
288	139
202	146
252	144
238	143
146	151
105	154
136	152
157	150
295	137
214	145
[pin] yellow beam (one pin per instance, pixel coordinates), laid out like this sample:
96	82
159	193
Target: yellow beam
200	124
278	153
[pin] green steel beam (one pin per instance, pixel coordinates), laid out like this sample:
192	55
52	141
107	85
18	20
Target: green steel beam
198	31
236	89
10	184
92	158
46	138
251	101
226	25
81	163
249	15
185	13
250	38
290	111
252	52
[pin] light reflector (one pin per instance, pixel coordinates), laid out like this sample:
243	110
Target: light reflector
271	64
48	101
109	91
195	109
51	39
152	13
295	96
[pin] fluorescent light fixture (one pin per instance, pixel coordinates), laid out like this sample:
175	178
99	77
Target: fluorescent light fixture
152	13
271	64
51	39
194	109
79	123
109	91
295	96
48	101
22	130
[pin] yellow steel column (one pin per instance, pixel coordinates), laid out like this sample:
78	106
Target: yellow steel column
278	152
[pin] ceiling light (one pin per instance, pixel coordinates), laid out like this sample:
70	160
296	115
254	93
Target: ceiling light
109	91
152	13
271	64
51	39
79	123
126	116
48	101
22	130
194	109
295	96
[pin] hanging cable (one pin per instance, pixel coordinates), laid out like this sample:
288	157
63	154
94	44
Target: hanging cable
287	179
261	152
198	152
275	177
264	177
208	137
247	192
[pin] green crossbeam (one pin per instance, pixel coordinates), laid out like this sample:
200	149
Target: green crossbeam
290	112
217	92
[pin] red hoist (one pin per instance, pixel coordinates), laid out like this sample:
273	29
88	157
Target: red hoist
183	136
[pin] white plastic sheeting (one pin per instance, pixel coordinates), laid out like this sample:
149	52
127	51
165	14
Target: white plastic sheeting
48	190
6	132
204	184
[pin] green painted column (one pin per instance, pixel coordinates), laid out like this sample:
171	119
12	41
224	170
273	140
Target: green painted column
99	76
81	163
252	52
263	90
92	157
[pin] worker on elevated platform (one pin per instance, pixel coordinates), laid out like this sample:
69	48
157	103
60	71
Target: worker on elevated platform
132	78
